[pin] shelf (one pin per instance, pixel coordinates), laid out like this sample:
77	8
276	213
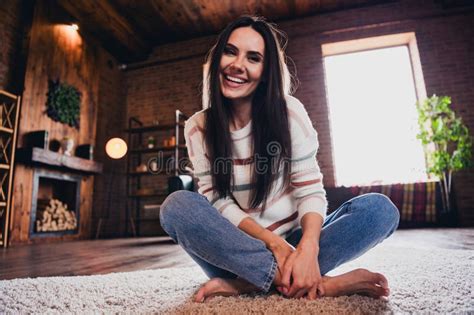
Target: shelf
6	130
158	149
139	154
10	115
139	173
153	128
148	219
54	159
134	174
154	195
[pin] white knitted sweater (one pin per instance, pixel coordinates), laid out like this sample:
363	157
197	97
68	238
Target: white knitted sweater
284	208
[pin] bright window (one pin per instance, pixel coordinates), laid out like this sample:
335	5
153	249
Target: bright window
373	117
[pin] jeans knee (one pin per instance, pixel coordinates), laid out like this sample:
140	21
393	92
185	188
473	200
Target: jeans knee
382	210
176	208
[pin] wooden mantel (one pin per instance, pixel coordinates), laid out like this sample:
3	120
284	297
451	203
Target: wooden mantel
53	159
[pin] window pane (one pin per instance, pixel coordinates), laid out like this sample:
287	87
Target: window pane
373	118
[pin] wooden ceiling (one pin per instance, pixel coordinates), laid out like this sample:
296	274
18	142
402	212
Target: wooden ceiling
129	29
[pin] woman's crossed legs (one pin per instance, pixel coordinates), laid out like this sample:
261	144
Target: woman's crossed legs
238	263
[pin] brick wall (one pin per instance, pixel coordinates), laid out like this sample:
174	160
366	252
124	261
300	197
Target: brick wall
9	25
174	82
16	15
447	56
154	92
109	187
446	44
445	41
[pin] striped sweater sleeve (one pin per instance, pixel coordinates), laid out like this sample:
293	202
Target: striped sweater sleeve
306	177
194	136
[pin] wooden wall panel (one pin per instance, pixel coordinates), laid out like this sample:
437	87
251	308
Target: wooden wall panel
55	52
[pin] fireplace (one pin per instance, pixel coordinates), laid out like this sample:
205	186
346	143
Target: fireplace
55	208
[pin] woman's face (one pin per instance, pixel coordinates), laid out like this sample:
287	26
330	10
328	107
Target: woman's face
241	65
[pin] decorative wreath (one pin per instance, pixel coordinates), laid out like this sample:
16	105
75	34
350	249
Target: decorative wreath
64	103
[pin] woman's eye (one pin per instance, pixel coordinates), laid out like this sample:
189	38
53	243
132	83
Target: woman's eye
254	59
229	51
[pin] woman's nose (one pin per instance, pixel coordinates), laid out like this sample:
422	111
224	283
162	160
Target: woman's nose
237	64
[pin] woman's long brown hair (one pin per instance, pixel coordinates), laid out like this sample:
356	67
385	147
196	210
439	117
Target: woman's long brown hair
270	126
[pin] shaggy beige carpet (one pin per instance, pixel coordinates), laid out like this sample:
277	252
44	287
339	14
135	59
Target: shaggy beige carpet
421	281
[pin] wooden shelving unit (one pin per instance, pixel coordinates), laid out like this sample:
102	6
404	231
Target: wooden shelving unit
140	154
157	149
143	129
9	116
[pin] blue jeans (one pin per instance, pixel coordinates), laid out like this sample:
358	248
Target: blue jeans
223	250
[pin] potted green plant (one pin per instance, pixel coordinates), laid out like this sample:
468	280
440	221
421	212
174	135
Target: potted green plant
446	141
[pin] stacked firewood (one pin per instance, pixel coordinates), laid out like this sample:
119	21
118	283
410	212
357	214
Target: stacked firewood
55	216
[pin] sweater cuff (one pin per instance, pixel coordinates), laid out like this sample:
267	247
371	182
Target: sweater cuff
316	204
234	214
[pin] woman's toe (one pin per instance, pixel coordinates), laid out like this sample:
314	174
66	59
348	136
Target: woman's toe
382	281
201	293
199	297
379	291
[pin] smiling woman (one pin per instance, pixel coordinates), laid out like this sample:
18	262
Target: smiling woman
256	222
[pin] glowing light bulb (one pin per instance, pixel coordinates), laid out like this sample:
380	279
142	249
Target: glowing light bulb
116	148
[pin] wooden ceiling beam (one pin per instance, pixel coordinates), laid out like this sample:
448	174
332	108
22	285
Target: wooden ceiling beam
101	19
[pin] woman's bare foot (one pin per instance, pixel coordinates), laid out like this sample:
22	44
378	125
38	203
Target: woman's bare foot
223	287
358	281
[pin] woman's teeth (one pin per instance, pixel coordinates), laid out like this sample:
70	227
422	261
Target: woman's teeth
235	80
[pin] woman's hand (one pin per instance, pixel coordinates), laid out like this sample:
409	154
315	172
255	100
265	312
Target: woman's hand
281	249
301	270
301	274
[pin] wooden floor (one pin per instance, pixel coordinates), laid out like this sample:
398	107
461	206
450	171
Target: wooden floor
122	255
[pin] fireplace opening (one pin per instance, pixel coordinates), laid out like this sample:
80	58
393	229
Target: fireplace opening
55	204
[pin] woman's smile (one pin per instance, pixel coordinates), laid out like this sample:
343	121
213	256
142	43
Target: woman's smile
233	81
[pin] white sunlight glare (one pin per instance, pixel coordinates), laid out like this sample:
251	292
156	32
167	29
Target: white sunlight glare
373	118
